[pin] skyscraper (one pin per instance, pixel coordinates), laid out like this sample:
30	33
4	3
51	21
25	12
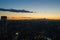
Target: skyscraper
4	24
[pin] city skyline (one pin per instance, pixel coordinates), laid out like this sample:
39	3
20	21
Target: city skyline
49	9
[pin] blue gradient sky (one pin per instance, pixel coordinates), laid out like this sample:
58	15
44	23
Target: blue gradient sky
44	8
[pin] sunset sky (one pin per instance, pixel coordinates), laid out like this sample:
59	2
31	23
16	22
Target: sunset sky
49	9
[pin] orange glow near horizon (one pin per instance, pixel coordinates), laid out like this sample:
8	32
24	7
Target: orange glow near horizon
29	16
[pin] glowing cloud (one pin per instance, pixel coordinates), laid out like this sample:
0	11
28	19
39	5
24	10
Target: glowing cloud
14	10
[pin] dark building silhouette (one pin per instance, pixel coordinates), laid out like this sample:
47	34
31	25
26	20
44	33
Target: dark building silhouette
4	24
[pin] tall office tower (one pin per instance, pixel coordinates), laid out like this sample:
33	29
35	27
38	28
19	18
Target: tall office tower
3	24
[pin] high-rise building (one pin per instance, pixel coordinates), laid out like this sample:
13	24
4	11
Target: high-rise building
3	24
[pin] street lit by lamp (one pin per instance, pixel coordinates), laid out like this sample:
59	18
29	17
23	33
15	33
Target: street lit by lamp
17	33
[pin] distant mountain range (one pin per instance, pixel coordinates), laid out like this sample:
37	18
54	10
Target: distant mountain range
28	18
